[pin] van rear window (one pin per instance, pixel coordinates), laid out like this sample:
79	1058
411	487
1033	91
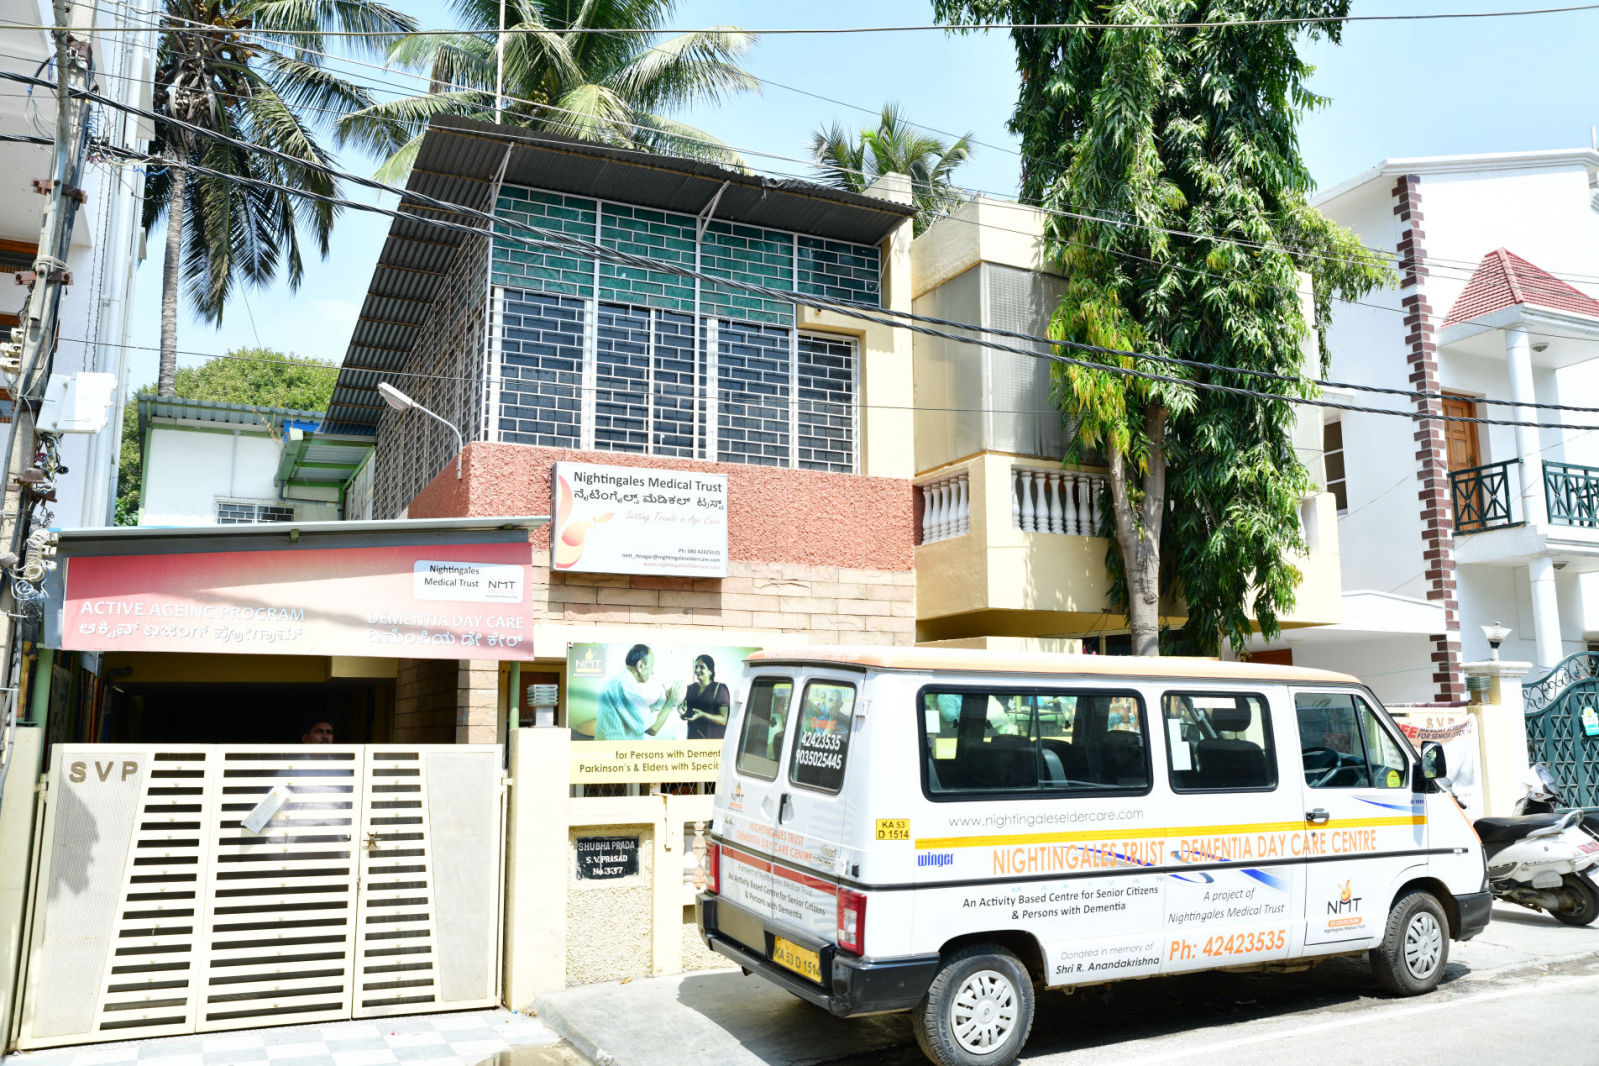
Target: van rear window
1045	742
760	739
821	742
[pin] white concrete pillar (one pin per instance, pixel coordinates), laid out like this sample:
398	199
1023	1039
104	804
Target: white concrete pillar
1545	610
1518	354
1501	733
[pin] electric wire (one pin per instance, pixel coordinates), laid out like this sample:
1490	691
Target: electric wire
565	242
825	31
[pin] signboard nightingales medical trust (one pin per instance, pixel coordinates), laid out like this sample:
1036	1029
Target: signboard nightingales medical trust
631	520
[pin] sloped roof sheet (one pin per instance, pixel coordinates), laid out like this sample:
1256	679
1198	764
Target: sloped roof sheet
1504	279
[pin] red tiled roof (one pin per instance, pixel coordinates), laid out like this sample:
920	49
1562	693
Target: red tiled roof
1504	279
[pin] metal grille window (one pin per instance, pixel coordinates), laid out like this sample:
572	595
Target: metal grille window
826	403
578	373
237	513
752	394
541	370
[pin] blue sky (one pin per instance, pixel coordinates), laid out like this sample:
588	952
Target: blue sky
1397	89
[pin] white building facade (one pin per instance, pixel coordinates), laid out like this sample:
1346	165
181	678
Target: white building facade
1447	524
107	243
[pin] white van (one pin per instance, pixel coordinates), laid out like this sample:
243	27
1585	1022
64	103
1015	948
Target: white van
939	831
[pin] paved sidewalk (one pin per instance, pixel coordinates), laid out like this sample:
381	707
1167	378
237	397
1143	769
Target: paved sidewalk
722	1018
459	1039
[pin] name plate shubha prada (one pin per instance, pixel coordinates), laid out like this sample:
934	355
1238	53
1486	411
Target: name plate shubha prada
635	520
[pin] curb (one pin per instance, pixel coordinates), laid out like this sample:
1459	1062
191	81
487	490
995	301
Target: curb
557	1023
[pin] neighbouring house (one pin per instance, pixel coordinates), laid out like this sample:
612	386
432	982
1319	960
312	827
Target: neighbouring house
1448	526
1007	554
107	242
212	463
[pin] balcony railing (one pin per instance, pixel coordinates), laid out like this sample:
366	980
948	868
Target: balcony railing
946	508
1482	496
1573	494
1055	501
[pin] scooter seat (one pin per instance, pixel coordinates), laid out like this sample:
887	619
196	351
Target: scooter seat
1505	830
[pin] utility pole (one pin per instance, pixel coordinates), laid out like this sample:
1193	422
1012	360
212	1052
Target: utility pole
26	359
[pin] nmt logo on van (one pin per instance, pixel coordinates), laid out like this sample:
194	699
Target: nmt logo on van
935	858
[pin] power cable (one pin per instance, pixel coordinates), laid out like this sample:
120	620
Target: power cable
564	242
827	31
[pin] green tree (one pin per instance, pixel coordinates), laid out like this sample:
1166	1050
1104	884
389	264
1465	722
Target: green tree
615	88
854	161
1169	162
258	377
239	68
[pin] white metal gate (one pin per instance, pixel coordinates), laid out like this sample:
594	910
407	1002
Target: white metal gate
375	888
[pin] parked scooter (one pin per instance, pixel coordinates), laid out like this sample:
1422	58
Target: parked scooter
1544	860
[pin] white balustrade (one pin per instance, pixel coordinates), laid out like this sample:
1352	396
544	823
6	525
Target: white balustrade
1055	501
946	508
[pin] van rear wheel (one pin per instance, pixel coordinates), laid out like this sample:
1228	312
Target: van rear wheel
1415	946
978	1010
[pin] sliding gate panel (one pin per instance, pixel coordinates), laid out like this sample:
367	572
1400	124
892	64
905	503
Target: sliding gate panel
374	889
279	934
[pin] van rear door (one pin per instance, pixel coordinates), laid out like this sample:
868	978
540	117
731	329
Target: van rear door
750	807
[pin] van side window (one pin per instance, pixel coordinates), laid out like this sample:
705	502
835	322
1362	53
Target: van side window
821	741
1045	743
1219	741
1345	745
760	739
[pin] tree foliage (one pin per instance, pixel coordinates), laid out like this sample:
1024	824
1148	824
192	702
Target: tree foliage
1169	162
258	84
615	88
853	161
258	377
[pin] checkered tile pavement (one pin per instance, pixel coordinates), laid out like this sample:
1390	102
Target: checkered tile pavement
463	1039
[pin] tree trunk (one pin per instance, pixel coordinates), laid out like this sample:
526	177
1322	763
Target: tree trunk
1138	535
177	212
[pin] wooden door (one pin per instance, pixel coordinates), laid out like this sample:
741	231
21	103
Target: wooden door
1464	453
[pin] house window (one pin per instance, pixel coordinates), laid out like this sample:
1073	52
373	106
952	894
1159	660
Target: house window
1332	457
239	513
645	381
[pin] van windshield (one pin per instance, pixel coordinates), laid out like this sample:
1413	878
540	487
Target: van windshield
988	740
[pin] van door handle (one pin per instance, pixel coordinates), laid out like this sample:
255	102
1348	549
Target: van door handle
1318	816
782	808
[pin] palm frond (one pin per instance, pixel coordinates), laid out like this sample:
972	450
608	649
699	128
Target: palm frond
657	133
593	113
314	17
702	65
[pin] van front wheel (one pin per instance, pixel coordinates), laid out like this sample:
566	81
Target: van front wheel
978	1010
1415	946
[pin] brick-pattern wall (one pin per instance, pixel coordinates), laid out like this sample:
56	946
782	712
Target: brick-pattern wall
477	702
836	269
1432	455
425	695
821	604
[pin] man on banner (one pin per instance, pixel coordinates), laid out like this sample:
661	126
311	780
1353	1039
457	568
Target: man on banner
631	705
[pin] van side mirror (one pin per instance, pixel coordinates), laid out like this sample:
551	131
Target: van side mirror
1433	763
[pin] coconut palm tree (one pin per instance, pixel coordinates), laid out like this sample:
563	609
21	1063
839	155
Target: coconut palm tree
614	88
897	146
247	69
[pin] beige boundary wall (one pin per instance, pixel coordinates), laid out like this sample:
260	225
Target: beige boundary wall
1500	714
561	931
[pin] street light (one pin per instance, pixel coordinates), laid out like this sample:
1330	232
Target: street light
1496	635
401	402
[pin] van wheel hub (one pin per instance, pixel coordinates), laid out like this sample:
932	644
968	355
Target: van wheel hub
1423	944
984	1011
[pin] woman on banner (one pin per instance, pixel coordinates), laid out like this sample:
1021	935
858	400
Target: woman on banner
706	704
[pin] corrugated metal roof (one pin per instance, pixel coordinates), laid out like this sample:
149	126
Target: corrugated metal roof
457	163
236	414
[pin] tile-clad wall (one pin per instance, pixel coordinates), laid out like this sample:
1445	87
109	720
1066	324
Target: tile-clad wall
838	270
523	267
835	269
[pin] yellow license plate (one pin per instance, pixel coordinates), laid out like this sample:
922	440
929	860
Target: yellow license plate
802	961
